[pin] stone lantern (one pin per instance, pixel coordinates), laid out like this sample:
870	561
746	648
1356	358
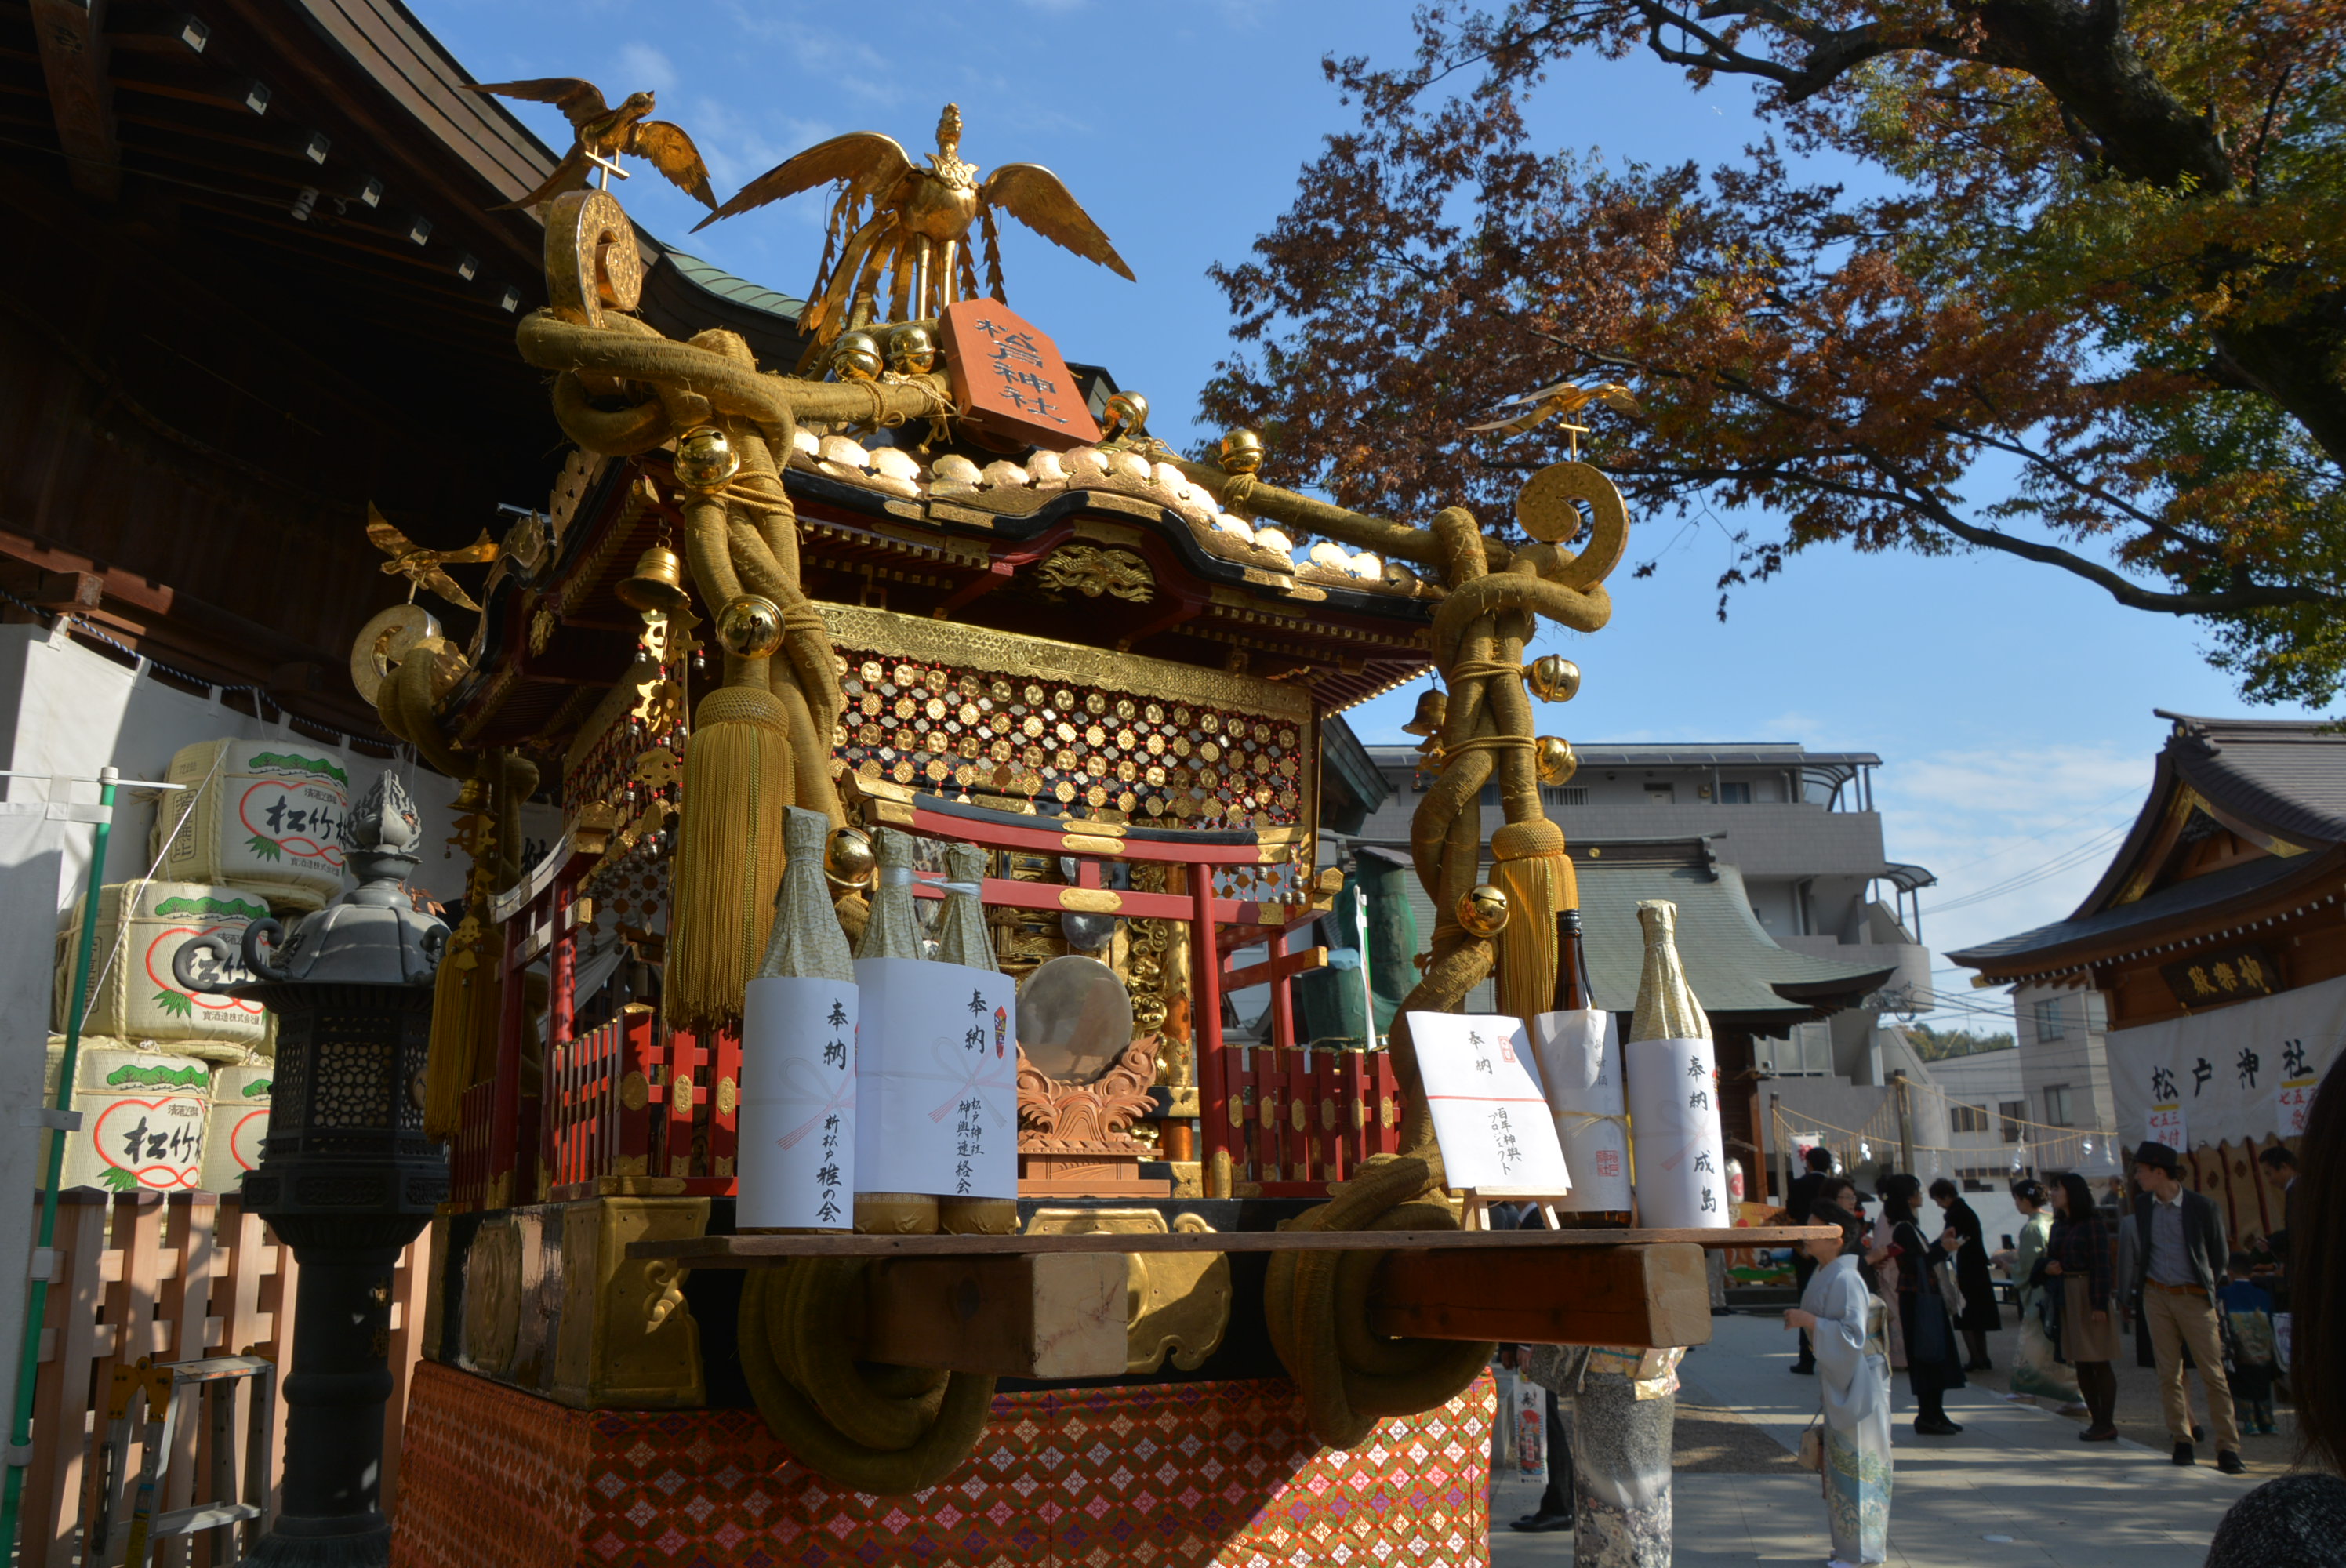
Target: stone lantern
346	1177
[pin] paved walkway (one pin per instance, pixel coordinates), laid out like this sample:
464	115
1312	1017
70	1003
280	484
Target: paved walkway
2016	1487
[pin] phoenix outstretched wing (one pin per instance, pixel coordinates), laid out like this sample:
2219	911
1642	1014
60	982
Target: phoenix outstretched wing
672	153
870	162
386	538
1035	197
481	549
581	101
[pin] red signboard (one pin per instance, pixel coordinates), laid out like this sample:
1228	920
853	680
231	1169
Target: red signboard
1009	380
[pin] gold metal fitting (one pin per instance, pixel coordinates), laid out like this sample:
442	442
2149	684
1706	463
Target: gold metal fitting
856	357
1555	679
1554	758
750	627
912	350
705	460
1127	416
1433	708
848	859
656	584
1241	452
1483	912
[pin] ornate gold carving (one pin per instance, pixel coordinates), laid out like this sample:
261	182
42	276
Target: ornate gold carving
1091	901
628	1340
635	1091
1089	844
492	1296
1178	1302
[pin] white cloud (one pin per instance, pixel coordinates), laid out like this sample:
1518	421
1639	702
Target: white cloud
642	65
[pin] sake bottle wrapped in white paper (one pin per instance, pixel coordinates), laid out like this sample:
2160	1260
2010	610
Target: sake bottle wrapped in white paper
142	1117
134	993
1673	1080
1579	1057
238	1121
797	1148
936	1075
263	815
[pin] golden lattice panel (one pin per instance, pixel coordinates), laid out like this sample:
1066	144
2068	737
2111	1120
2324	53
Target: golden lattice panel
946	708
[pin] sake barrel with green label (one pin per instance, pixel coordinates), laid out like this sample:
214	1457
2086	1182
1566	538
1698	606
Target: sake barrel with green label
238	1121
134	992
143	1118
263	816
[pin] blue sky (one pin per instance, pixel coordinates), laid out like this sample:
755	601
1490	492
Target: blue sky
2011	705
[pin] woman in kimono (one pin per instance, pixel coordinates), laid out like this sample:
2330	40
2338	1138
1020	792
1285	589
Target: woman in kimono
1934	1359
1844	1320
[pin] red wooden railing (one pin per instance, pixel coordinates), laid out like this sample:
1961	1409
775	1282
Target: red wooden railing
1298	1119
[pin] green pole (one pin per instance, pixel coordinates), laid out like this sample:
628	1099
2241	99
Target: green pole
28	1360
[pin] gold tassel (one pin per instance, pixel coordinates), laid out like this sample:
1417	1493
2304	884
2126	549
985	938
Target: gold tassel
1529	865
465	1008
728	854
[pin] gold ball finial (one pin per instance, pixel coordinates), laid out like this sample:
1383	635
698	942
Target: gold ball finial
705	460
1553	756
912	350
750	627
1555	679
1241	452
1483	912
1127	416
856	357
848	859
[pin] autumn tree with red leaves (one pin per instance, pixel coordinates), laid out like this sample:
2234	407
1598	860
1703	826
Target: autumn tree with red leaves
2097	323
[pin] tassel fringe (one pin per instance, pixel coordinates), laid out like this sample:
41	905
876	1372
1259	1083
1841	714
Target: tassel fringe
1529	865
728	854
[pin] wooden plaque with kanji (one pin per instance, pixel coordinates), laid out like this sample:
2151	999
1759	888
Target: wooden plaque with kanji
1009	380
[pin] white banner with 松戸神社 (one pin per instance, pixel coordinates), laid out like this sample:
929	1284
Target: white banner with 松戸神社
2230	1074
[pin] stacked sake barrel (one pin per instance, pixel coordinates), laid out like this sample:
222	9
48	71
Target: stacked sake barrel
173	1082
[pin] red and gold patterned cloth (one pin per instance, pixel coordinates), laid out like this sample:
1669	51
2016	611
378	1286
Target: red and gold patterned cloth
1163	1475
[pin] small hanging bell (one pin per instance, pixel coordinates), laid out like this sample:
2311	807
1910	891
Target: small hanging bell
657	583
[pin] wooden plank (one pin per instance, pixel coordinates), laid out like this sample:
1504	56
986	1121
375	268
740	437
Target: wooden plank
765	1251
1280	967
1646	1297
81	94
1054	1315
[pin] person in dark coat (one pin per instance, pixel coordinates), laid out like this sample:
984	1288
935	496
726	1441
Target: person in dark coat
1797	1205
2281	1165
1979	1317
1934	1362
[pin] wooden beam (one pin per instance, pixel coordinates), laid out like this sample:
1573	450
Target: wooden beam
1644	1297
1053	1315
1283	968
81	94
765	1251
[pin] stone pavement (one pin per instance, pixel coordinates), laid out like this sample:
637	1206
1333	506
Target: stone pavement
2015	1488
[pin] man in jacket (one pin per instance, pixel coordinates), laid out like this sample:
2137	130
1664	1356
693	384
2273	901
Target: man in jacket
2281	1165
1797	1203
2181	1255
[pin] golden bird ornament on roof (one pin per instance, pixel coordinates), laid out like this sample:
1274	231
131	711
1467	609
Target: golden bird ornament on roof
421	568
1563	398
603	135
914	240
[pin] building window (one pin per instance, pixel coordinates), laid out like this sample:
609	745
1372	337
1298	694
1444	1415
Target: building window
1661	794
2057	1106
1735	794
1967	1118
1563	794
2012	1113
2048	1019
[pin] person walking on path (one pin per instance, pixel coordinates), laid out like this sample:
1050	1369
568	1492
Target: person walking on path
2300	1520
2038	1367
1844	1321
2248	1310
2076	1265
1934	1361
2179	1242
1798	1203
1980	1317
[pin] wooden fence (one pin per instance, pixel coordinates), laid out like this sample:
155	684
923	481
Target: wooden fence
138	1273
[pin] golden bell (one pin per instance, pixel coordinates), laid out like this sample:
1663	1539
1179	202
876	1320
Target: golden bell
912	350
657	583
750	627
1433	707
704	459
1241	452
856	357
1127	416
1553	756
1555	679
848	859
1483	912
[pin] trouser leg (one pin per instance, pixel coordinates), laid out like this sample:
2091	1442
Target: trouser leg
2195	1320
1975	1340
2166	1348
2099	1382
1803	1266
1557	1498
